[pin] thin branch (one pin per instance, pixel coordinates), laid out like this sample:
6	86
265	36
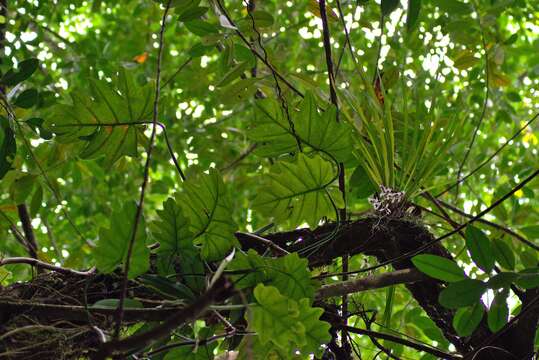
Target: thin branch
43	265
507	142
491	224
182	66
146	176
242	156
264	241
256	53
370	282
420	347
485	103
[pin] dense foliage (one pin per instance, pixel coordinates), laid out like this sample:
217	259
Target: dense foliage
190	179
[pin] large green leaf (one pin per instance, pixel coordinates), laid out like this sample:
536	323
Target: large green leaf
209	210
25	69
176	249
462	293
480	248
503	254
299	191
112	247
8	146
107	118
289	274
318	131
439	267
285	323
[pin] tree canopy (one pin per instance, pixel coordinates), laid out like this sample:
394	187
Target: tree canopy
200	179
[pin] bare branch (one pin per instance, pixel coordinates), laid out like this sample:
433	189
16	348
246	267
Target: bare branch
43	265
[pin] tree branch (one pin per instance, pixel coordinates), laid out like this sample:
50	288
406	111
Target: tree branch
370	282
43	265
26	222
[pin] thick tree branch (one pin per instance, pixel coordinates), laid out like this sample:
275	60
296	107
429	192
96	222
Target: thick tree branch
26	222
370	282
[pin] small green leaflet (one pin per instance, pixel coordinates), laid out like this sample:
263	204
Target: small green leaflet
528	278
289	274
111	249
209	209
480	248
498	313
438	267
299	191
414	7
287	324
318	131
468	318
27	98
113	304
107	119
202	351
462	293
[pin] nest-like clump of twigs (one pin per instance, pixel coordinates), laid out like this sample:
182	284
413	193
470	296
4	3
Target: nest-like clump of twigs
37	320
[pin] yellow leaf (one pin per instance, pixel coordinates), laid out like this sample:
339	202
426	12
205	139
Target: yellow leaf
499	79
141	59
314	8
465	60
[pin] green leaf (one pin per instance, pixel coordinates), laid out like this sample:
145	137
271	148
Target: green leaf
503	254
502	280
414	7
192	13
528	278
172	233
106	121
480	248
361	184
462	293
453	7
113	304
209	210
167	288
467	319
25	69
21	188
498	313
465	60
289	274
37	199
111	249
27	98
438	267
513	96
388	6
299	191
286	323
531	232
8	146
319	131
201	28
234	73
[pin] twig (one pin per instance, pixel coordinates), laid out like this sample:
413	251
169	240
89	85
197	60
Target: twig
484	109
491	224
256	53
146	176
371	282
182	66
242	156
461	180
411	344
43	265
